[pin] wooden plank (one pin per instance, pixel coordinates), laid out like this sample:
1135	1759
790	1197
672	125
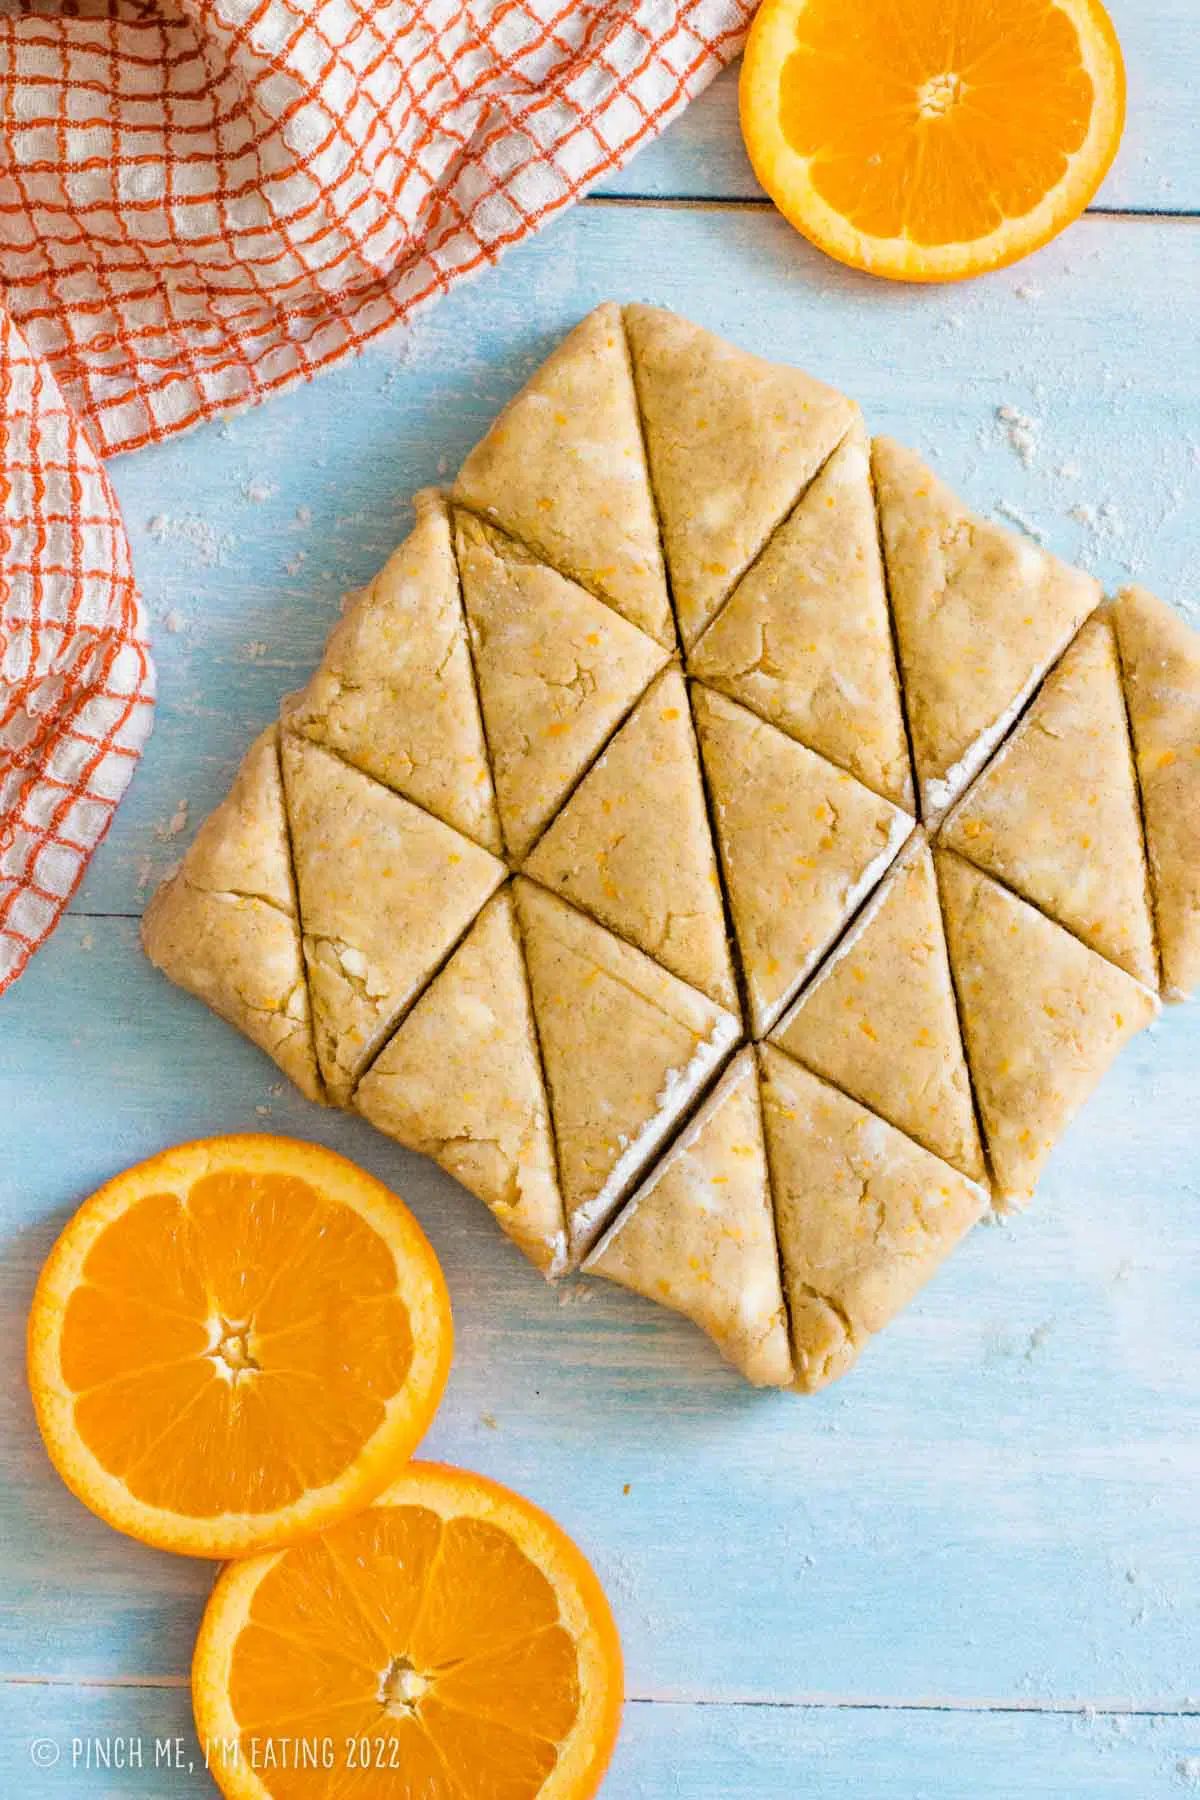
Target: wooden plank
701	156
722	1752
1000	1503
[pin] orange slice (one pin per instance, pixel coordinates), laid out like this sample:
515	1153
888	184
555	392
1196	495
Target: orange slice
449	1642
929	141
236	1343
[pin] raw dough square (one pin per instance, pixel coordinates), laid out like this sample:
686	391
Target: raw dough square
689	719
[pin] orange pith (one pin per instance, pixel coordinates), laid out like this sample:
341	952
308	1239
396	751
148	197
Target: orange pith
450	1641
235	1343
929	141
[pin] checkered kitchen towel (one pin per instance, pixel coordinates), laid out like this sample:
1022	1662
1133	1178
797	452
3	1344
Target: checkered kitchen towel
202	201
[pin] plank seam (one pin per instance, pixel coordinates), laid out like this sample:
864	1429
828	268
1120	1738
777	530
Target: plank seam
1102	1708
760	203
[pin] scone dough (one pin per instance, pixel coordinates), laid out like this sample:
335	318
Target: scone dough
1043	1017
225	925
879	1019
461	1081
385	889
1055	814
557	670
613	761
733	442
699	1236
632	845
801	844
563	470
805	639
395	694
980	615
1160	658
864	1215
627	1047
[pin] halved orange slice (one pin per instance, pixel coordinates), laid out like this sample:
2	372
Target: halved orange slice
236	1343
929	141
450	1642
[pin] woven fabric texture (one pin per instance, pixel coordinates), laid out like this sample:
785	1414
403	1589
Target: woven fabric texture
204	202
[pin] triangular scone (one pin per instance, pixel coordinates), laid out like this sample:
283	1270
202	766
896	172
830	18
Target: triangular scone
699	1236
395	695
1043	1017
864	1215
557	670
564	470
801	842
632	845
1055	815
805	639
626	1047
733	441
461	1081
1160	660
224	926
384	889
880	1020
980	614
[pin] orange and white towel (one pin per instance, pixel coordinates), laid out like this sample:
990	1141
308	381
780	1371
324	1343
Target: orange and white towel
204	201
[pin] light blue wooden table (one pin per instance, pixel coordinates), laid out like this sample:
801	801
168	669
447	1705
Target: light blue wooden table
970	1572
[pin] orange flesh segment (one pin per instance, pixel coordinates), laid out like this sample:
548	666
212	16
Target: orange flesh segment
937	123
299	1290
401	1622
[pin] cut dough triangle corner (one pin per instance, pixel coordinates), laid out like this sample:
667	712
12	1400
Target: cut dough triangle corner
864	1215
557	671
699	1235
632	846
563	469
394	693
980	614
1160	659
1043	1018
805	638
732	442
461	1081
879	1018
384	889
802	843
627	1047
225	927
1055	815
